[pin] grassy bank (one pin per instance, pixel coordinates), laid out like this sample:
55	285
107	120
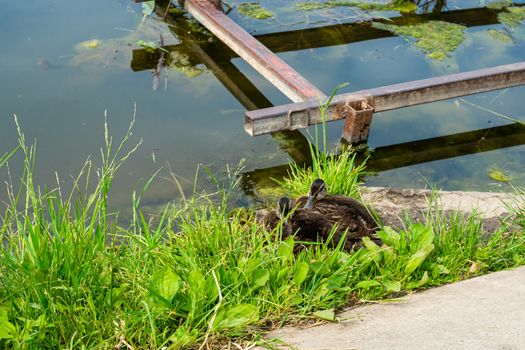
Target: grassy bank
202	275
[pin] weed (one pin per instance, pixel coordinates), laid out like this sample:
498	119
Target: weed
200	275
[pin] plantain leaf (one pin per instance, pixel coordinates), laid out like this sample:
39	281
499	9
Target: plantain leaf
368	284
7	329
300	273
389	236
422	237
236	316
260	277
165	283
417	284
328	314
417	259
285	250
392	286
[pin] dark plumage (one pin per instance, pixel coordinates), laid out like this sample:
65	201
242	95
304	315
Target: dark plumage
307	224
346	212
273	219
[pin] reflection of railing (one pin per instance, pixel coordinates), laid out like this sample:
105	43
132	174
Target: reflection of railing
411	153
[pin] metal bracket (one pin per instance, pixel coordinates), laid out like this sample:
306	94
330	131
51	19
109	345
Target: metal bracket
358	117
297	120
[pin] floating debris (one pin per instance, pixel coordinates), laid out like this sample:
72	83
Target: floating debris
498	175
437	38
150	46
43	63
254	10
90	44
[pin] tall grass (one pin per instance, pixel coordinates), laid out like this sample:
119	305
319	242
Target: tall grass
71	278
340	171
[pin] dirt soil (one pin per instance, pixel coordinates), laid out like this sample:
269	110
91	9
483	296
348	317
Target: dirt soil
394	204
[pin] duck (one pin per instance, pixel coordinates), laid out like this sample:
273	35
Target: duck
348	213
273	218
307	224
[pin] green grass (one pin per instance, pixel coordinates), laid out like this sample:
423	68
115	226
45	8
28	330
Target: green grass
71	278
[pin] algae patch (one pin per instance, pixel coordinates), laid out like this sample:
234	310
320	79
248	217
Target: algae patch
499	5
512	16
401	6
437	39
500	35
254	10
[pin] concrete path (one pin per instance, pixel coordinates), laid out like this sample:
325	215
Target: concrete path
486	312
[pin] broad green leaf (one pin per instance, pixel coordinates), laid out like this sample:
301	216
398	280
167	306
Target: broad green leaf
113	295
300	273
417	259
285	250
417	284
337	281
368	284
236	316
328	314
373	249
182	338
439	269
422	237
388	254
389	236
392	286
7	329
260	277
166	283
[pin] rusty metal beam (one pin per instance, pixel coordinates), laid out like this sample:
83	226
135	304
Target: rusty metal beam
280	74
385	98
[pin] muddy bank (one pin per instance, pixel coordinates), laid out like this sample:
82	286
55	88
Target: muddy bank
392	205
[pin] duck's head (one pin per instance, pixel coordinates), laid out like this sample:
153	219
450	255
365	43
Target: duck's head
284	207
317	191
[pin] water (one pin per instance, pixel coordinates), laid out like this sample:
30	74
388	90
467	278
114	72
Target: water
59	90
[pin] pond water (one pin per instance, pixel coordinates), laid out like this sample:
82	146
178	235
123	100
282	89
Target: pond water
63	65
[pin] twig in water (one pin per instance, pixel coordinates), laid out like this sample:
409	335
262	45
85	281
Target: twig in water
492	112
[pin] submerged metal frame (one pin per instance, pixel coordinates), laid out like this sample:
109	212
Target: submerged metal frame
355	108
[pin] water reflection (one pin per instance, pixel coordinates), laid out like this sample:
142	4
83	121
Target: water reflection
409	153
60	93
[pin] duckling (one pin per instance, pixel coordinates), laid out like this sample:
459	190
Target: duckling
274	218
347	212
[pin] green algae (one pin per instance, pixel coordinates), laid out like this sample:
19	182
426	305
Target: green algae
437	39
254	10
512	16
500	35
401	6
499	5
